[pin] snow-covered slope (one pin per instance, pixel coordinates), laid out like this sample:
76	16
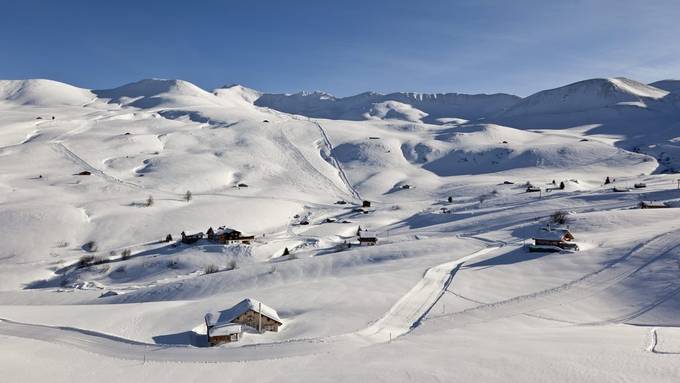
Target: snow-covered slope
587	95
672	86
358	107
88	198
39	92
151	93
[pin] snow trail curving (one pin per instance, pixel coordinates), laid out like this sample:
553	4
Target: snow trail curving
341	172
407	314
410	311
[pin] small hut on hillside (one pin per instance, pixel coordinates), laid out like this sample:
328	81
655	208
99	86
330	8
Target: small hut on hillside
367	238
228	325
548	239
191	238
653	205
225	235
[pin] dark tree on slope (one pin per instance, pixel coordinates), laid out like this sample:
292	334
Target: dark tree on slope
149	201
188	196
562	185
607	181
286	251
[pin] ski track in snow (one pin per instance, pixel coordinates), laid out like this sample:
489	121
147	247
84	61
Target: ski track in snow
588	285
335	161
407	314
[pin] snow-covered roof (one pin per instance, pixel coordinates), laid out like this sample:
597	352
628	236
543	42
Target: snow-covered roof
229	315
367	234
225	230
224	329
553	234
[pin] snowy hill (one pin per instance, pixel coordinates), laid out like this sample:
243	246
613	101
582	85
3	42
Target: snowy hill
587	95
39	92
151	93
358	107
671	86
451	188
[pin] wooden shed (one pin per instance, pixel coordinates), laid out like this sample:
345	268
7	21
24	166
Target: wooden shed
191	238
227	235
548	239
367	238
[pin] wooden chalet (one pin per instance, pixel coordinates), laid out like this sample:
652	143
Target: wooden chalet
367	238
191	238
225	235
228	325
548	239
652	205
221	332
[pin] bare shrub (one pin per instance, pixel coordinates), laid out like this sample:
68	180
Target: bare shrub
85	260
188	196
233	265
560	217
211	269
149	201
173	264
125	254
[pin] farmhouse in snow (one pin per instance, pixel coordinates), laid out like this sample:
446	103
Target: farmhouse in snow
228	325
221	332
652	205
226	235
548	239
191	238
367	238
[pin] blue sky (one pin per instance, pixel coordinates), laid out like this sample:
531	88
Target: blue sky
343	47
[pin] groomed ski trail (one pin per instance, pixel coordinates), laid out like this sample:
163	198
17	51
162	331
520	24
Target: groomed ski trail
404	316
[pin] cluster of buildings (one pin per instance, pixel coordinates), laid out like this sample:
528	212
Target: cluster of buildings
222	235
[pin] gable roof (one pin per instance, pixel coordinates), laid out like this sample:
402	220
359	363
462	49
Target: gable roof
227	316
225	230
224	329
367	234
553	234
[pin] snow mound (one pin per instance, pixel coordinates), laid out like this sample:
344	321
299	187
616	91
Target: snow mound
238	92
394	110
151	93
358	107
40	92
587	95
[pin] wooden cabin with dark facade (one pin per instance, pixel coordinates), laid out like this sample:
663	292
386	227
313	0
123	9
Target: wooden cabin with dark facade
548	239
225	235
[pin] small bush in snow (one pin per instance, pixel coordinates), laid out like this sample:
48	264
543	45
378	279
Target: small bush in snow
62	244
211	269
85	260
233	265
188	196
99	259
173	264
559	217
125	254
149	201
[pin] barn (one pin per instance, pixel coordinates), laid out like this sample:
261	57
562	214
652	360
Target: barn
221	332
225	235
548	239
367	238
